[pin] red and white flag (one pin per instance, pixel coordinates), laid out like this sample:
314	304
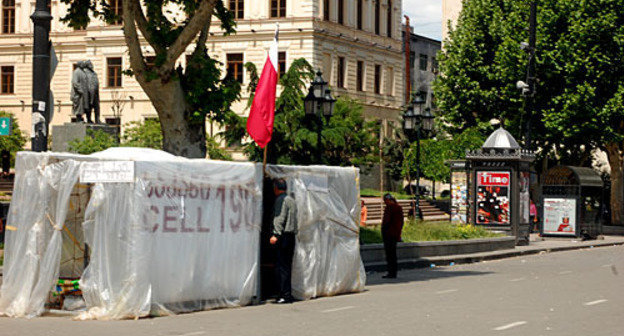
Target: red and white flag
262	113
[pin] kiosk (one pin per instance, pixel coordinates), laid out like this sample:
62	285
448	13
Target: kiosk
499	192
572	200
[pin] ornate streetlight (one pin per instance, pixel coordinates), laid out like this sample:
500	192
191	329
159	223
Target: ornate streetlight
319	103
416	120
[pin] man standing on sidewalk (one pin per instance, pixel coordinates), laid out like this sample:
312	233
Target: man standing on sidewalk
391	227
284	232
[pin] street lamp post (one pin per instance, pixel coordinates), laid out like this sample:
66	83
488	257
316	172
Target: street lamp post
320	104
41	76
415	120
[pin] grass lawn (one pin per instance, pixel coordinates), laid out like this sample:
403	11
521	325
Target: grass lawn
414	231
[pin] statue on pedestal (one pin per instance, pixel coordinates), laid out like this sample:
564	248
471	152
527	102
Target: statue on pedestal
94	93
85	95
79	91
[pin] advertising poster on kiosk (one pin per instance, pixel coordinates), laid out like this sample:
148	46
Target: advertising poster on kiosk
560	216
493	197
459	197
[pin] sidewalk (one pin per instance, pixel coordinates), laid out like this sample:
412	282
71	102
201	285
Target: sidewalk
537	245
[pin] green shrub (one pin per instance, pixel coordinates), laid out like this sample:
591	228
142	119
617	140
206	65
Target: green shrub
95	141
414	231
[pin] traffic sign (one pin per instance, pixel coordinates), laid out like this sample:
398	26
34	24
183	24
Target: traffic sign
5	126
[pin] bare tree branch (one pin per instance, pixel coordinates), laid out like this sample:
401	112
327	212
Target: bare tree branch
200	44
132	38
197	23
142	23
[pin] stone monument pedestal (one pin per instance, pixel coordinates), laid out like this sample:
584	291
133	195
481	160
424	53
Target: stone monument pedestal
62	135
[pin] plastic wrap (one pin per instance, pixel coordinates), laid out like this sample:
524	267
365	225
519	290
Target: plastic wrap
33	243
178	235
182	236
190	240
327	251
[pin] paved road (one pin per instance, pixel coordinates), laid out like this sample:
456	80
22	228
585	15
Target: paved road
566	293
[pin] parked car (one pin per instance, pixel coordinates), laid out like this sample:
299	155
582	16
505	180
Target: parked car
411	190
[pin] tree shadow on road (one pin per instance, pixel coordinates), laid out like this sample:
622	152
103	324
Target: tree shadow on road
419	274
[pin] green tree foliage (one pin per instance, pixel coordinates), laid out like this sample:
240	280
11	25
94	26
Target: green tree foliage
95	141
215	152
578	101
435	152
347	138
183	98
145	133
14	142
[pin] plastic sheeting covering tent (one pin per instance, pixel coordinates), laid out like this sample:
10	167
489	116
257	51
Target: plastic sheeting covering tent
327	252
176	235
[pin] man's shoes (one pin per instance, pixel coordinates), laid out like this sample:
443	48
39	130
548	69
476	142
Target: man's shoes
389	276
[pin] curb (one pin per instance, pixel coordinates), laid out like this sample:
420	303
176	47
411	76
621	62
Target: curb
479	257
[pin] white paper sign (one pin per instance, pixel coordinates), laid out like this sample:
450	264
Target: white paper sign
107	172
560	216
316	182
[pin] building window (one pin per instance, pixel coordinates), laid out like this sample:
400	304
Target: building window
359	79
359	11
327	67
8	16
423	62
326	10
237	7
7	78
116	7
434	65
113	66
377	17
389	19
377	78
412	59
281	62
278	8
340	82
150	62
390	82
341	11
235	66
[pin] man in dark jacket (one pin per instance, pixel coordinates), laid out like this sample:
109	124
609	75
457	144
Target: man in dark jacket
284	232
391	227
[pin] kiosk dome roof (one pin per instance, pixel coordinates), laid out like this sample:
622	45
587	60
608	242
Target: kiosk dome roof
500	139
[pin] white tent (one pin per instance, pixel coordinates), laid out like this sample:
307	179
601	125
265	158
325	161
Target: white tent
166	234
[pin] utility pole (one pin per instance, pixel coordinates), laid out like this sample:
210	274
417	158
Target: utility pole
41	76
531	72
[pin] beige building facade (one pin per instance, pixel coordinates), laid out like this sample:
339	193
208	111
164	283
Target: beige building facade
450	14
355	43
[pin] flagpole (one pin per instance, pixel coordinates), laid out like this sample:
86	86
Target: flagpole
264	160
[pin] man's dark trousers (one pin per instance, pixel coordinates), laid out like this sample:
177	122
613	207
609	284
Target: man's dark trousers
285	252
390	246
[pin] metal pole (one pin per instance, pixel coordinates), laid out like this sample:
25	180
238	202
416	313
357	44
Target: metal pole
531	71
418	172
41	76
319	145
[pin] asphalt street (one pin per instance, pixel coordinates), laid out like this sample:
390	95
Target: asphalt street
577	292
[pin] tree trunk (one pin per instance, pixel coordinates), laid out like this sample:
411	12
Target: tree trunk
181	135
616	161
